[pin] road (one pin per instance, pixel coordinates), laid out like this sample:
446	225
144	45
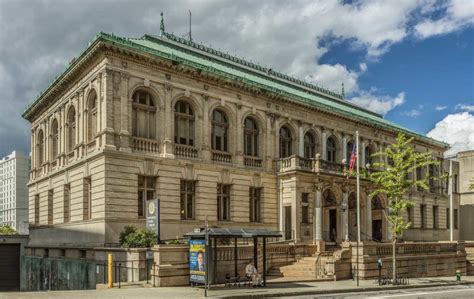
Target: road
461	291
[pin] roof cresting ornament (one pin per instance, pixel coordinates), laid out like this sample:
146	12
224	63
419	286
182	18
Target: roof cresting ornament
162	26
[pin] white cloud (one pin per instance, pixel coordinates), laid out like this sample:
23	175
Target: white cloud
411	113
459	13
465	107
440	108
457	130
378	104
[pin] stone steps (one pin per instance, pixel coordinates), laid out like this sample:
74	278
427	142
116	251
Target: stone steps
304	268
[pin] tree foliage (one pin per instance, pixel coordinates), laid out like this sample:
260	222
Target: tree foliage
7	230
398	161
130	237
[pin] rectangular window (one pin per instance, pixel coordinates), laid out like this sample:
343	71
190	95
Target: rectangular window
146	191
255	204
67	203
50	206
455	218
87	199
410	215
448	219
435	217
37	216
188	189
423	216
223	202
455	183
305	208
419	176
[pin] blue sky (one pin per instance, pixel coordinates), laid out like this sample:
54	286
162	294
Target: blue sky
434	72
409	60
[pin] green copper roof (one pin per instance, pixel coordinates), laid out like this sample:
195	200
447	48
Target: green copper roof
207	59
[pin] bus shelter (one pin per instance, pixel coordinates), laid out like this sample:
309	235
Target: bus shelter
206	242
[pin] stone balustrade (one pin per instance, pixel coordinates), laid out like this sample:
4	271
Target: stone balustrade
146	145
185	151
308	164
250	161
221	157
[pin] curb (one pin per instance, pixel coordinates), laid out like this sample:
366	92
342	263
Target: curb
342	291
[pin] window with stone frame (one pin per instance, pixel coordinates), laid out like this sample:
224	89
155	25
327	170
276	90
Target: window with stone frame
92	116
423	216
368	151
331	149
455	183
146	191
455	218
40	148
286	142
435	217
410	216
431	180
188	199
143	115
37	209
250	137
304	207
223	202
309	145
87	199
184	123
255	204
67	203
71	129
349	149
419	176
50	206
219	132
54	139
448	218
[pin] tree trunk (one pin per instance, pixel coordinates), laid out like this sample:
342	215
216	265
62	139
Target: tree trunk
394	260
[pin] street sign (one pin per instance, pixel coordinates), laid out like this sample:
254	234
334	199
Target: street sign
153	216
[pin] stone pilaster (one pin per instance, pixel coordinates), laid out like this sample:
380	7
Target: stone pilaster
318	214
345	214
324	152
125	114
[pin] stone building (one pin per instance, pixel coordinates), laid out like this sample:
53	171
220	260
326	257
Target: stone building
213	136
14	172
466	194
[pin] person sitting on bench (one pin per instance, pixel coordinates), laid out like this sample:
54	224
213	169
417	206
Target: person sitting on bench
251	271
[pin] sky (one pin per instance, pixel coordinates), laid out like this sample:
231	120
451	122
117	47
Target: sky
411	61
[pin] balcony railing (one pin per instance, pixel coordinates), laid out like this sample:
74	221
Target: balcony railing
329	166
250	161
221	157
308	164
185	151
146	145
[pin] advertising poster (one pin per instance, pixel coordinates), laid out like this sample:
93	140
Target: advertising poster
197	261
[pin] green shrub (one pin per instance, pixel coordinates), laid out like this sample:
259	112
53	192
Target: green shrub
130	237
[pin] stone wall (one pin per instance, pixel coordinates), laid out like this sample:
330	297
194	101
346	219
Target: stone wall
470	258
428	259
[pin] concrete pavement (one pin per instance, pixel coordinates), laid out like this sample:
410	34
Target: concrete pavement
310	289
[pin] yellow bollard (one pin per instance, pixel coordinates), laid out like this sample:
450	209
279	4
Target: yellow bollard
110	277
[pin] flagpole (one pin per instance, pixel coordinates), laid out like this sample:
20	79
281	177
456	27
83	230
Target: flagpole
358	206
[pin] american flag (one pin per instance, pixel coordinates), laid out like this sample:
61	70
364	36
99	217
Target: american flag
353	160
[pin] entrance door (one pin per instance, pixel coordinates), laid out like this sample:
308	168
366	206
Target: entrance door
9	267
332	225
377	230
288	233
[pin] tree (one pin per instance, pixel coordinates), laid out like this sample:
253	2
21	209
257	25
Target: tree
471	185
398	161
7	230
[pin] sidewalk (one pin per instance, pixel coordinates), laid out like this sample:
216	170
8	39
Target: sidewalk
272	290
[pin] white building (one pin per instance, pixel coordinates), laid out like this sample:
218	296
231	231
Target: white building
14	175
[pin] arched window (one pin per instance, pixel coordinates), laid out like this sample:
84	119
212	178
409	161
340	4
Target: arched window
40	149
285	142
71	129
349	148
54	139
143	115
331	149
220	126
250	137
377	204
368	155
309	145
183	123
92	116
